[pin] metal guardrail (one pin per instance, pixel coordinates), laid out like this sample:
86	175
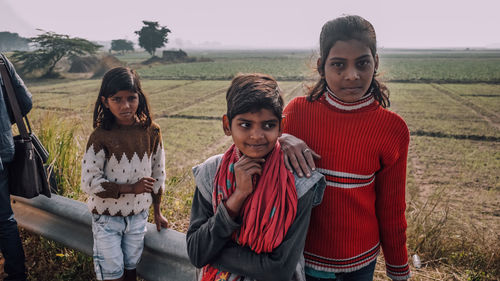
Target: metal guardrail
69	222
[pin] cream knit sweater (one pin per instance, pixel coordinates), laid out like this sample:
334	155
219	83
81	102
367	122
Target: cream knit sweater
122	155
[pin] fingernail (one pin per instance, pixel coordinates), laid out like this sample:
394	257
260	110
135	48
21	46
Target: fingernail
300	174
308	175
314	169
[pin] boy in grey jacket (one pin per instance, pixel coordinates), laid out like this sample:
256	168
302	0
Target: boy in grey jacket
225	203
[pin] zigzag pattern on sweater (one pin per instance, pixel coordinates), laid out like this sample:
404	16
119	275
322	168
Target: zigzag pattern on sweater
123	155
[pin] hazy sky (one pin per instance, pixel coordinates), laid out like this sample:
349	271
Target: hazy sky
261	23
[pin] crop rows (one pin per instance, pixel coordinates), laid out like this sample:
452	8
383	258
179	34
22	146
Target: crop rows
426	108
454	158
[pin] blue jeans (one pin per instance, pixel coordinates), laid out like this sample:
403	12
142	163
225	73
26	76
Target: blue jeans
10	242
118	243
363	274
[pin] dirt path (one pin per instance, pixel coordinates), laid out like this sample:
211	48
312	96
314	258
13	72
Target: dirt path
425	189
208	96
162	90
214	148
492	118
417	168
294	92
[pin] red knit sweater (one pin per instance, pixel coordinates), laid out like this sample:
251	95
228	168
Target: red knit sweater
363	150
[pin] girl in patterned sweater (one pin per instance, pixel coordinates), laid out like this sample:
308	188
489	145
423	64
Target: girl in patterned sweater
363	148
123	172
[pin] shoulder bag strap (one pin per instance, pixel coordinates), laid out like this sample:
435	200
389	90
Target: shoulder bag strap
14	105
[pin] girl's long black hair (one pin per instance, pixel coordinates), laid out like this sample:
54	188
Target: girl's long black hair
344	29
115	80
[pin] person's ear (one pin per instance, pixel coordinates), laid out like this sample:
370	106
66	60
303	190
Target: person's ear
376	63
104	102
320	69
225	125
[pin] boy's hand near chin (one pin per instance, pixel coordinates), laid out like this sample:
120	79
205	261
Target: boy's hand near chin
244	171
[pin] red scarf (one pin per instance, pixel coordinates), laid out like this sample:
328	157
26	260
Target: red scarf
268	212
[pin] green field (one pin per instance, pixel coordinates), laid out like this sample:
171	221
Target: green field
452	66
225	69
444	66
449	99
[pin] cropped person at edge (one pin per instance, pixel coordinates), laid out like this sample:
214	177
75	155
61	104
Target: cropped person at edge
10	242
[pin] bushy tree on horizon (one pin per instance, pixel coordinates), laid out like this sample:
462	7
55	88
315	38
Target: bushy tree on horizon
152	36
50	49
122	45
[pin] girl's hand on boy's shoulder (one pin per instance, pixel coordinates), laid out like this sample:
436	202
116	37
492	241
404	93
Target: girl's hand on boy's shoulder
297	155
160	221
244	171
144	185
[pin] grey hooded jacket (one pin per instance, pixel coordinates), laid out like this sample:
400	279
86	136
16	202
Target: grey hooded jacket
209	234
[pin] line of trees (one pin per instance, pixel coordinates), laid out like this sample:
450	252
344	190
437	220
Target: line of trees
151	37
50	48
122	46
12	41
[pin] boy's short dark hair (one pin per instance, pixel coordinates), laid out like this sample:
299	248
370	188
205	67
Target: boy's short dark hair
253	92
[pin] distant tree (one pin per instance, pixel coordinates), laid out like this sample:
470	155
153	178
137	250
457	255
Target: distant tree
122	45
12	41
50	49
152	36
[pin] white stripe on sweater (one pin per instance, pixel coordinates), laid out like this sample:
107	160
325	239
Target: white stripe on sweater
345	105
343	174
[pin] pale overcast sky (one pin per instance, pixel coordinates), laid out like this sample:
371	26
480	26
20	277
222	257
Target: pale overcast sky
261	23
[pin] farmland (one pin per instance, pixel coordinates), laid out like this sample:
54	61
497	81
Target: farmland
450	66
443	66
449	99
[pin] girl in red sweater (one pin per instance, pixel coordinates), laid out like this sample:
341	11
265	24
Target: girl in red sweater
363	148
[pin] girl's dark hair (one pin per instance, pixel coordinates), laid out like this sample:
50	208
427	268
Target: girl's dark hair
115	80
344	29
253	92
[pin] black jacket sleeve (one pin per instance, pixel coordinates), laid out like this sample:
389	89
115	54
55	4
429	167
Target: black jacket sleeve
208	233
280	264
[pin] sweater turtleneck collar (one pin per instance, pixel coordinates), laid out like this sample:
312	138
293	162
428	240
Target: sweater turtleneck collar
367	102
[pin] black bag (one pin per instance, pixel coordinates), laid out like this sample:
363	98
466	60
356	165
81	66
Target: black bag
27	174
